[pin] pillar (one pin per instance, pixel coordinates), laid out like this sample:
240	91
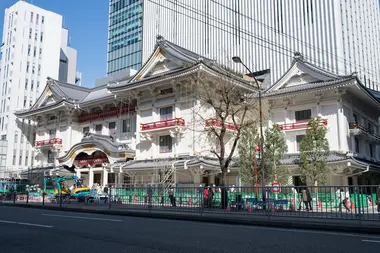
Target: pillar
342	128
105	177
90	177
78	173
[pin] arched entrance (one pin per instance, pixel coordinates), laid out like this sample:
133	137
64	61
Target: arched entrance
91	168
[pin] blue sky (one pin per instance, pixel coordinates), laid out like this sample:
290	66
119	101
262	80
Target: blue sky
87	23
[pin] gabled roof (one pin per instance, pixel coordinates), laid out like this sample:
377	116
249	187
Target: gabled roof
303	75
169	59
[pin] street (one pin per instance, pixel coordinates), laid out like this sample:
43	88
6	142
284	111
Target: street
34	230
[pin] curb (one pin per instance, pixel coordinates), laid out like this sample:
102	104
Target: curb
324	225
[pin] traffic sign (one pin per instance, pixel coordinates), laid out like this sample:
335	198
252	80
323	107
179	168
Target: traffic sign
276	187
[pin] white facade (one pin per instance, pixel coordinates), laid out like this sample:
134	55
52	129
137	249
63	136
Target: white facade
31	53
338	35
158	120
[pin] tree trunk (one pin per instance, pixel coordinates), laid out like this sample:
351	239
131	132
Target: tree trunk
224	189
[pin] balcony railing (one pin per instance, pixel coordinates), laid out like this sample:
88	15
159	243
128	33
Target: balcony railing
107	114
54	141
218	123
162	124
369	132
93	161
303	124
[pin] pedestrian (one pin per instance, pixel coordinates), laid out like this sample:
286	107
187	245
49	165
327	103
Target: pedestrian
161	194
378	198
344	196
308	200
150	194
172	197
210	197
205	197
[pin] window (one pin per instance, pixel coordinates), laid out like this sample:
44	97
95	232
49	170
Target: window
126	125
52	133
165	144
26	160
26	84
39	68
32	85
355	116
42	37
50	157
111	128
303	115
29	50
37	19
357	144
34	52
22	138
42	20
40	52
27	67
24	101
30	33
20	159
33	69
371	150
4	137
35	36
166	113
98	129
14	157
16	137
31	17
85	130
299	139
369	127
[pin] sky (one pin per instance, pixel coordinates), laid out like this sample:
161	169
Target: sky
87	23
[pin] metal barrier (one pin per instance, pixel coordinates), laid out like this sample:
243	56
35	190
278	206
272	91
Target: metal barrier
324	202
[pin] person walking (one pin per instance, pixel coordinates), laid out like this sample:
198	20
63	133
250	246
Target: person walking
205	197
172	197
308	200
210	197
344	196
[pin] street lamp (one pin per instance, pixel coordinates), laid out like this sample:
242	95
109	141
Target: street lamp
237	59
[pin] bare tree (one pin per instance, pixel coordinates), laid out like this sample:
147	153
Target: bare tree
227	104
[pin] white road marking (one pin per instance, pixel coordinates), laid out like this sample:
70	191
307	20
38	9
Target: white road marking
371	241
80	217
25	224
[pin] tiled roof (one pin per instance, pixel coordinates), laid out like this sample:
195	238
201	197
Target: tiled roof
292	159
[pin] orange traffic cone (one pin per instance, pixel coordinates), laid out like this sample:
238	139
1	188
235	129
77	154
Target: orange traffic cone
352	205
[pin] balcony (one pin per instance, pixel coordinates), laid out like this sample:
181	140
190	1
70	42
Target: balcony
300	125
358	129
55	142
103	115
218	124
92	161
164	124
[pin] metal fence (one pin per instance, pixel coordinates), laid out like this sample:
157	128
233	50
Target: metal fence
324	202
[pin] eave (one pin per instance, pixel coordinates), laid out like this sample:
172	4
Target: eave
48	108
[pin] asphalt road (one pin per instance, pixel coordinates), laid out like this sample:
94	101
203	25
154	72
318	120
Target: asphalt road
33	230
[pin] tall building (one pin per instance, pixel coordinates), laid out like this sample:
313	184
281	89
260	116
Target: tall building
339	36
124	35
34	47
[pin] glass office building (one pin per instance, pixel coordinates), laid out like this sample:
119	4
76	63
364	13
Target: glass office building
124	35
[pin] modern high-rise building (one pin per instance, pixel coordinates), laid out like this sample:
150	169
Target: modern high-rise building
340	36
34	47
124	35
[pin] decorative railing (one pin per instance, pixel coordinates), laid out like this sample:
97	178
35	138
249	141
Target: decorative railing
303	124
53	141
107	114
93	161
218	123
370	132
162	124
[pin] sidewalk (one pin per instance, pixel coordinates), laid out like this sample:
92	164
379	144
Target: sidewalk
291	220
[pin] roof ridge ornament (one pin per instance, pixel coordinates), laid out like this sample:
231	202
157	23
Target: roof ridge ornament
354	74
298	56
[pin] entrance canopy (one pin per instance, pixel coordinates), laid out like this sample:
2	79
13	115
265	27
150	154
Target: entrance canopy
91	144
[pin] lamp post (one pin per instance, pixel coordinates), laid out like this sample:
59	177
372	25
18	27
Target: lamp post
237	59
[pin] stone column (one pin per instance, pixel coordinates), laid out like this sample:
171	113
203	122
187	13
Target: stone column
90	177
342	128
78	172
105	176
